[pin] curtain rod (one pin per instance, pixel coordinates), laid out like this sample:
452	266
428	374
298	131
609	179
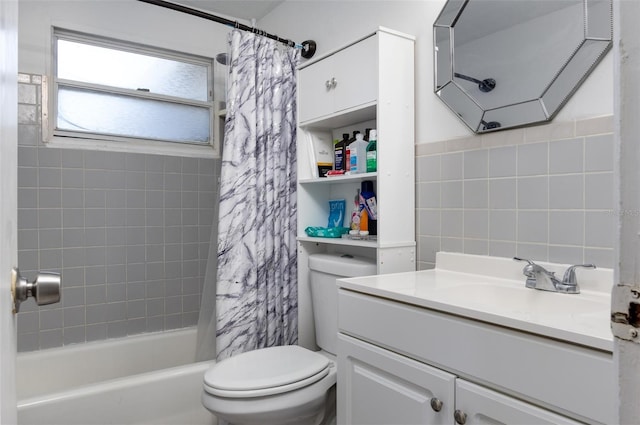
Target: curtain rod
308	46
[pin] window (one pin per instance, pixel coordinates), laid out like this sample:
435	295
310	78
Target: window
110	90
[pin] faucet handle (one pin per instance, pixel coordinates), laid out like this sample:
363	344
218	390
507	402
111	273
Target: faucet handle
570	274
524	259
530	269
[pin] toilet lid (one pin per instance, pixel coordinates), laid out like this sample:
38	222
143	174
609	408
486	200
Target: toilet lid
266	371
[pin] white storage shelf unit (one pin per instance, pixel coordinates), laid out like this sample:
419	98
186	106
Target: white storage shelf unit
367	84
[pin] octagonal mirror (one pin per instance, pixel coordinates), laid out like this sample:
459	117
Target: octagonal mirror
502	64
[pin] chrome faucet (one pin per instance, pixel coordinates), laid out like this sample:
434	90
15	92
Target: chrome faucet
540	278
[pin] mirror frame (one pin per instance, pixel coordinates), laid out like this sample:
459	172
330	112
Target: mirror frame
543	108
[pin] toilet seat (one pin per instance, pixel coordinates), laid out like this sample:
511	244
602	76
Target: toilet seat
266	371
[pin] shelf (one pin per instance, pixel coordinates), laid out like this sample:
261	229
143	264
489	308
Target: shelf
339	241
340	179
345	118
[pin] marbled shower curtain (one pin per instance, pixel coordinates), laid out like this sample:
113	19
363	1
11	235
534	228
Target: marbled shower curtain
256	300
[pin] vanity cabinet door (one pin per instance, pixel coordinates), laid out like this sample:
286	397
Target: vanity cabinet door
344	80
379	387
477	405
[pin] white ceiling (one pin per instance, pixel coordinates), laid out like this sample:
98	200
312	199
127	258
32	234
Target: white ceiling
241	9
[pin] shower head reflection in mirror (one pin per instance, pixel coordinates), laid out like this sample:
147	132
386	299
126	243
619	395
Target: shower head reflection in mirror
536	52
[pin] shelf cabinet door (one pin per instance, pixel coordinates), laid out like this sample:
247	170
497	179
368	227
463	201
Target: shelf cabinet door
338	82
356	73
315	97
480	405
376	386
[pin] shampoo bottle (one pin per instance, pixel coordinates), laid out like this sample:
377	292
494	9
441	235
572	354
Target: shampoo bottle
358	155
372	152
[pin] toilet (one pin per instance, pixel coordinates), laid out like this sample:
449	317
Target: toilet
288	384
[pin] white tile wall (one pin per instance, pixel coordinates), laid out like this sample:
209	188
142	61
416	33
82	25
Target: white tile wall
544	192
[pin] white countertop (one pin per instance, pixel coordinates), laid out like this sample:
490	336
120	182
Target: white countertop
489	289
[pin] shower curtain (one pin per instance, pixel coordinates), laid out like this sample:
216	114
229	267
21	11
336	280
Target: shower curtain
256	297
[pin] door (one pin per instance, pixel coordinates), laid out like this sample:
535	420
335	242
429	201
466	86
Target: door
8	202
376	386
626	50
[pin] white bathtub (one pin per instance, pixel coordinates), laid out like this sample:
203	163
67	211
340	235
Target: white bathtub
146	379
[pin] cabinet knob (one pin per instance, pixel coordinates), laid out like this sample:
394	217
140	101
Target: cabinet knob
327	84
331	84
460	417
436	404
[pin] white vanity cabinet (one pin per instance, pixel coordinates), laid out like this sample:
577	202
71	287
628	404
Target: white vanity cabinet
403	364
374	88
380	387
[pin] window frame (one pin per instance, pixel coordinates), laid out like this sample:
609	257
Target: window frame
95	141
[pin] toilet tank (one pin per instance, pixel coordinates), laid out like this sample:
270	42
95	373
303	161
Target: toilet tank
324	270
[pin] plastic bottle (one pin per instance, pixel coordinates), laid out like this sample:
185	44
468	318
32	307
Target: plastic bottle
354	224
347	153
358	155
368	200
372	152
339	152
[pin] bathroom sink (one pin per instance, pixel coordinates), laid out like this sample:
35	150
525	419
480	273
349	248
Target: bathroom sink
492	290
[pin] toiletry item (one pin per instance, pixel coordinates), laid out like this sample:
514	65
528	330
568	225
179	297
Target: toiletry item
324	168
368	199
334	173
347	158
358	156
355	214
364	220
336	159
337	209
347	154
372	152
339	149
326	232
321	152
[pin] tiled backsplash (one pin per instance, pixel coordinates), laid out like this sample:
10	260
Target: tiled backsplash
129	232
544	193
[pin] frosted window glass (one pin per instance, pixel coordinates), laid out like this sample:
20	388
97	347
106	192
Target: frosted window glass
110	114
117	68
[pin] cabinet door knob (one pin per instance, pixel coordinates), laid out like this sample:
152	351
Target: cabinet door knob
460	417
334	83
327	84
436	404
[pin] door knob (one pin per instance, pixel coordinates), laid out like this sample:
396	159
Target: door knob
45	289
460	417
436	404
